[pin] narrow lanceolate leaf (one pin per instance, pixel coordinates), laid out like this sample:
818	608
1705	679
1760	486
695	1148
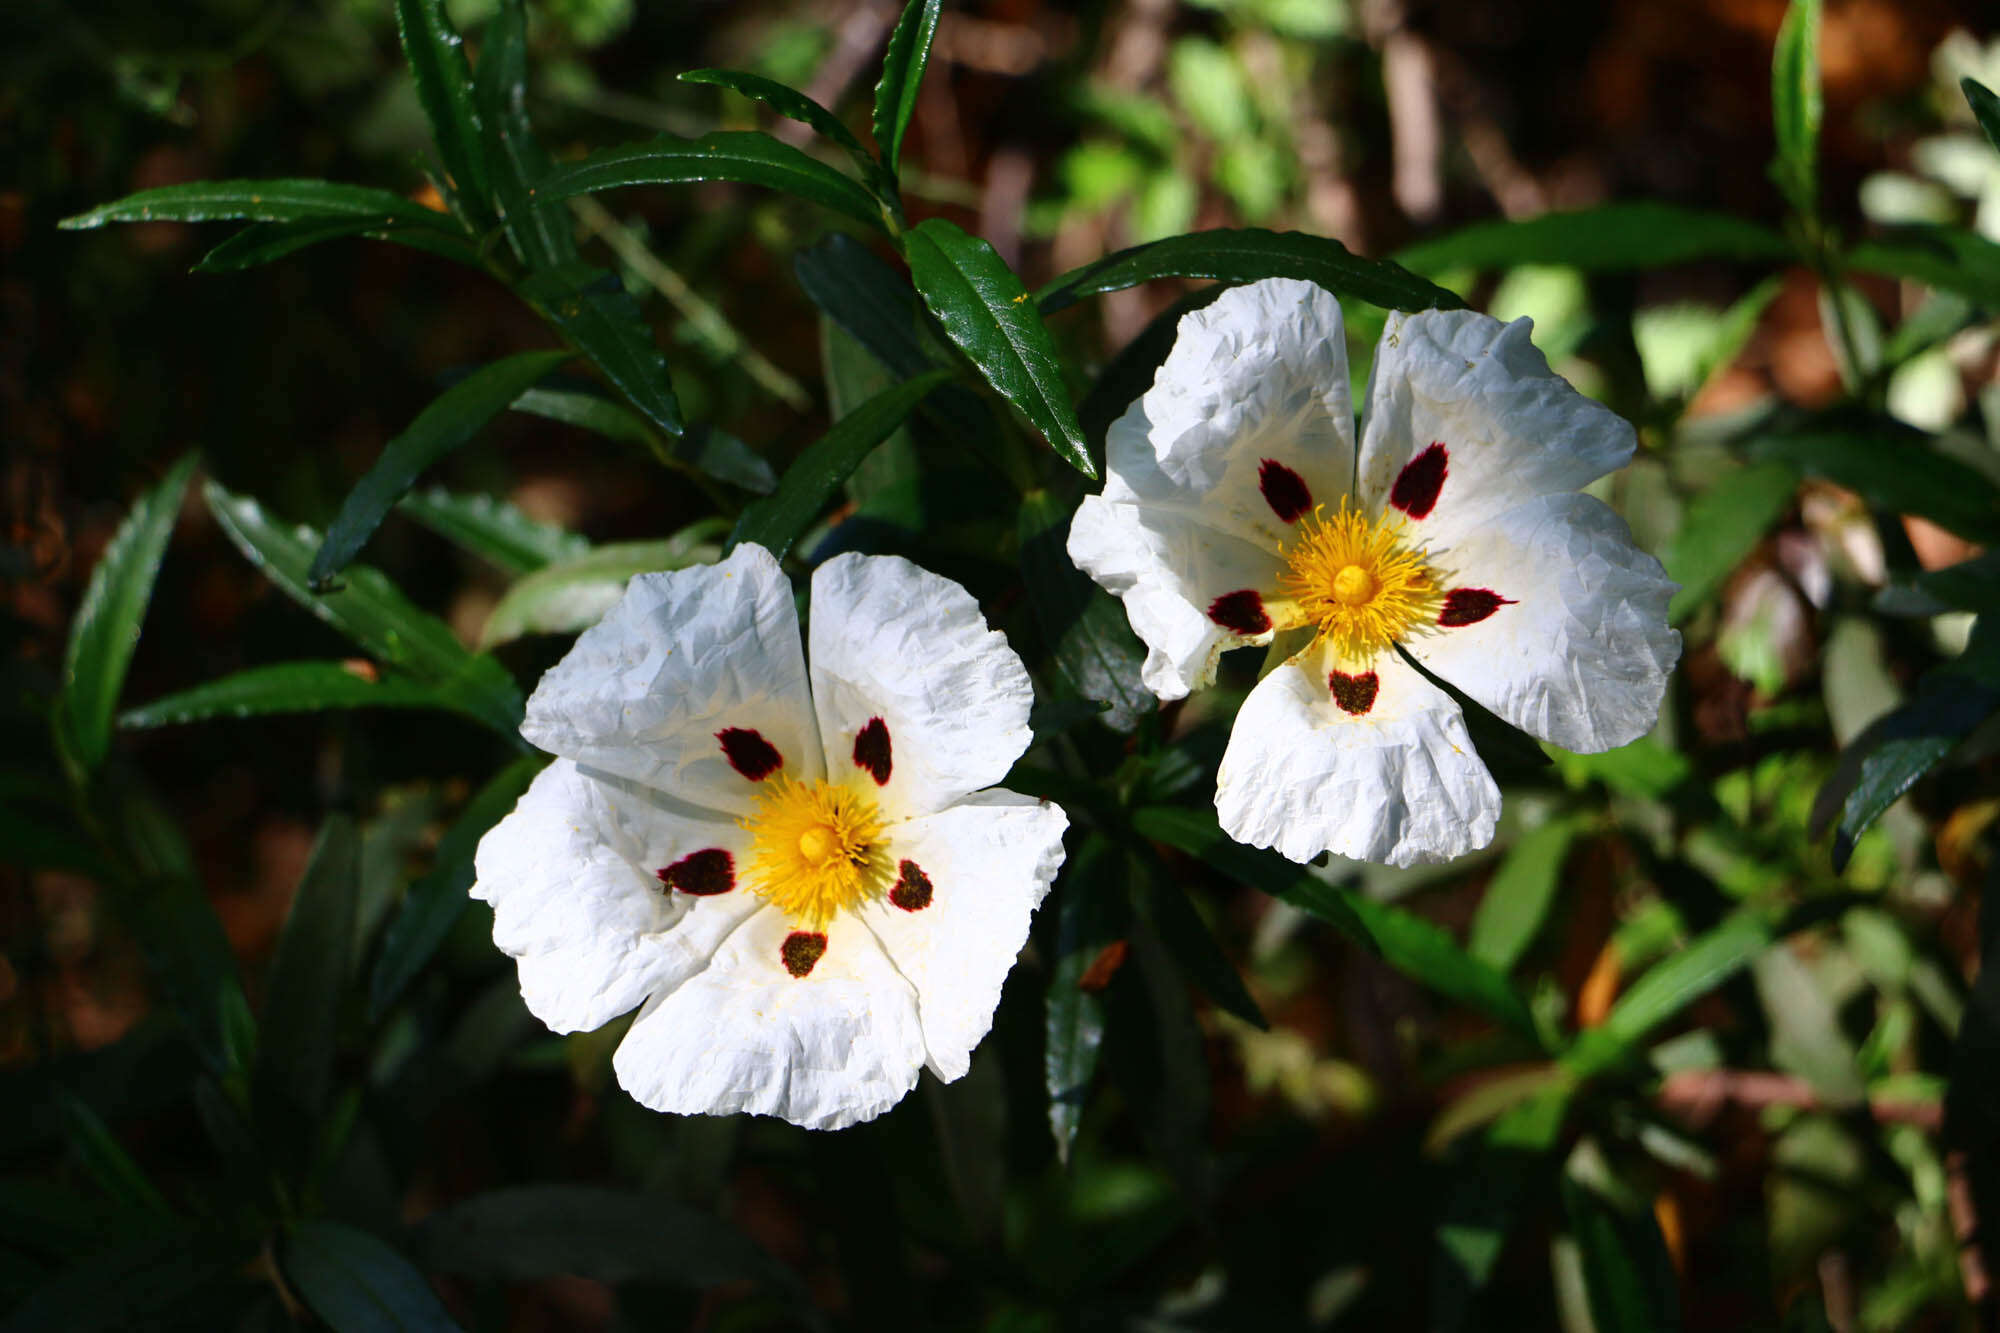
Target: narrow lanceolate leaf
454	417
1668	987
786	101
287	687
493	529
435	902
261	201
902	76
436	54
370	610
308	977
263	242
986	311
1607	238
355	1282
1628	1274
776	521
743	156
1196	952
1796	105
1985	108
1519	895
1484	1203
1722	526
574	595
1250	255
106	629
1084	628
870	301
1951	259
1896	470
594	312
103	1158
1088	944
542	233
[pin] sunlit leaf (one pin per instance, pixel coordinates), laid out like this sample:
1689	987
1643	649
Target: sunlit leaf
1722	526
902	77
1518	897
436	55
495	530
1797	106
262	201
744	156
598	317
286	687
573	595
1607	238
1668	987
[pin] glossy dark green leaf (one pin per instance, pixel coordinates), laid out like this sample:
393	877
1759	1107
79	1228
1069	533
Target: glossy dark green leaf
871	302
104	1159
776	521
542	232
454	417
571	596
986	311
598	317
786	101
370	610
1084	627
1485	1201
1518	897
358	1284
1951	259
493	529
1165	906
902	77
145	1283
308	978
263	242
744	156
1896	471
106	628
1249	255
435	902
1608	238
1797	106
436	55
1668	987
285	687
260	201
1628	1275
1722	526
1090	920
1985	108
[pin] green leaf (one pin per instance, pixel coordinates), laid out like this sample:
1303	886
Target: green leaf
1668	987
786	101
1896	471
598	317
1608	238
701	448
1796	106
369	610
1165	907
776	521
434	903
106	628
574	595
143	1284
1485	1202
902	77
542	233
1085	628
357	1284
986	311
1722	527
493	529
744	156
1090	920
1519	895
436	54
1249	255
261	201
1950	259
1895	750
1985	108
104	1159
452	418
868	299
285	687
308	978
263	242
1628	1275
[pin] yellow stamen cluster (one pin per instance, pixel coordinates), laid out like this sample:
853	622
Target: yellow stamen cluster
1357	582
815	849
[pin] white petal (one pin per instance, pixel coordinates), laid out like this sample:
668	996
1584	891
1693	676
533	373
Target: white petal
1398	783
1581	657
647	691
989	861
1511	428
839	1045
572	875
897	643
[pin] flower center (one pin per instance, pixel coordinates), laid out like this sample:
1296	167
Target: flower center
816	849
1356	581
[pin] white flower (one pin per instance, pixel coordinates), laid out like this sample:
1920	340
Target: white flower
810	889
1236	508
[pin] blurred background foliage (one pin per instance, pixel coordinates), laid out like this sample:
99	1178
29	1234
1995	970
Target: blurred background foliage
1695	1040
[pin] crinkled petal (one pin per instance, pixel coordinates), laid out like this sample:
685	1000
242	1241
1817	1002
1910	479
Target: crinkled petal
986	863
911	688
684	656
838	1045
572	875
1397	782
1580	652
1511	429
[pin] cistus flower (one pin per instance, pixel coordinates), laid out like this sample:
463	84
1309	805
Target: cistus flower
1237	508
804	880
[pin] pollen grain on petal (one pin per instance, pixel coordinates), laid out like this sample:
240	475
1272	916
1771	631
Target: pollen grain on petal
1284	490
1469	606
749	753
1354	694
913	888
872	751
802	951
1417	485
702	874
1242	611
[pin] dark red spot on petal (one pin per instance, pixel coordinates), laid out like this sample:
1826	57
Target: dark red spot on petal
1242	611
1469	606
703	874
913	888
749	753
1417	485
801	950
1284	490
871	750
1355	694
